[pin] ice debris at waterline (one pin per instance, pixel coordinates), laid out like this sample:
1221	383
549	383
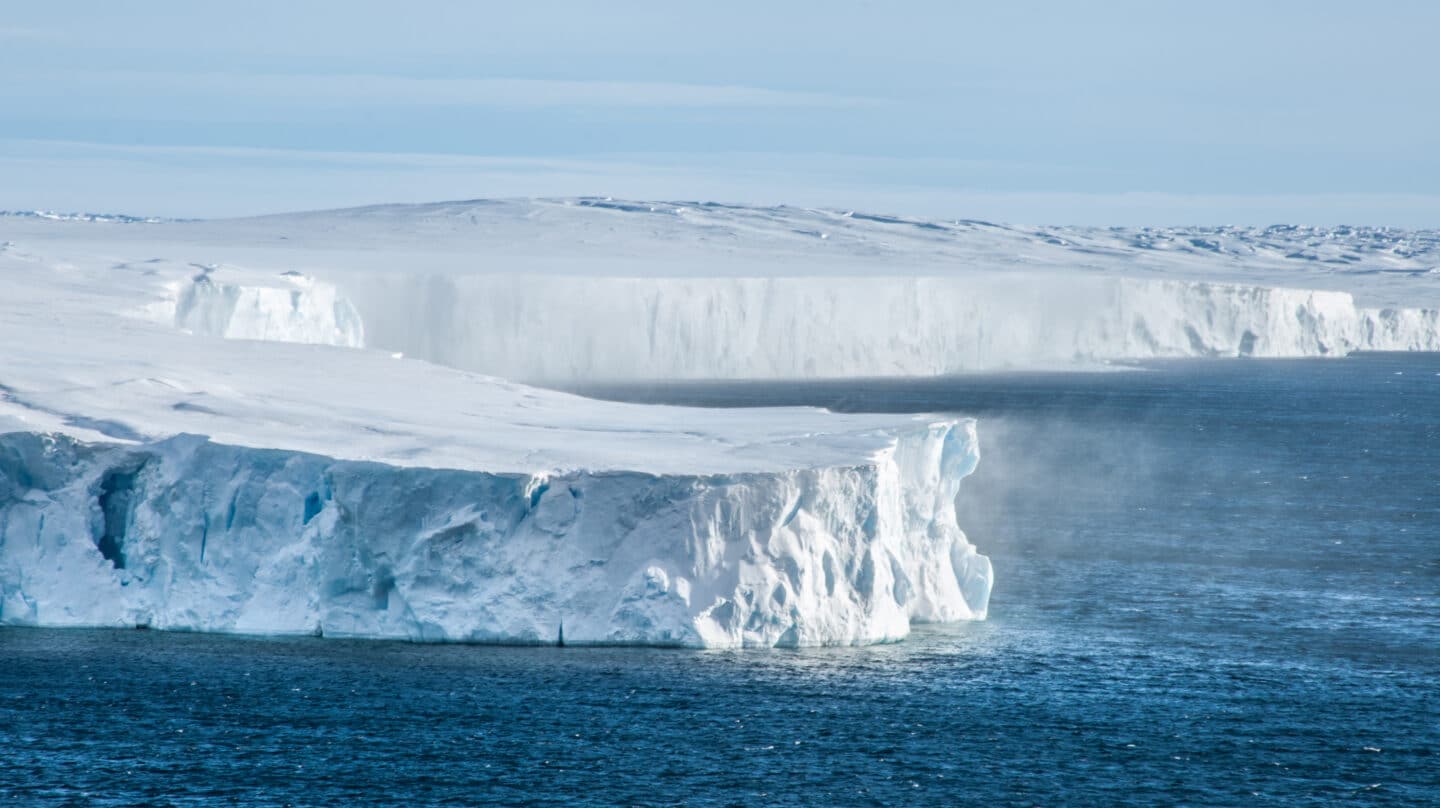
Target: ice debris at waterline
154	477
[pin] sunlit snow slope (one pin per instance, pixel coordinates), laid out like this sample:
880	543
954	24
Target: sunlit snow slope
588	289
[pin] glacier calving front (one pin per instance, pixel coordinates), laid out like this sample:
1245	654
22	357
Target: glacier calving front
802	327
188	534
274	425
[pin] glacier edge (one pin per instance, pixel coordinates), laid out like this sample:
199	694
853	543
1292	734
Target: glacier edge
188	534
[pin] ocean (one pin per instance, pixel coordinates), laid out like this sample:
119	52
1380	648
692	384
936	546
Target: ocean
1217	583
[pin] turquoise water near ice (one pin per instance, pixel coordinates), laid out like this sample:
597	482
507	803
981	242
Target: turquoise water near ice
1216	583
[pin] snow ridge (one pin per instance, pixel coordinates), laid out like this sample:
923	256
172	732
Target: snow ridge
116	218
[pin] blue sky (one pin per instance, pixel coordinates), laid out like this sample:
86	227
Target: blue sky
1117	112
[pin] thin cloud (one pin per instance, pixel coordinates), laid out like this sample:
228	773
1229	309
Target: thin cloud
372	89
11	32
22	149
222	181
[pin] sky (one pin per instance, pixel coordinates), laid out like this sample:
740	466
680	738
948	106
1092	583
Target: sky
1111	112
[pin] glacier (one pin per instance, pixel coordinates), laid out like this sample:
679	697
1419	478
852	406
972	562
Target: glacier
581	290
186	452
320	423
185	533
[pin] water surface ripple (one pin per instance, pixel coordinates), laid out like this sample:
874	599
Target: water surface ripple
1216	584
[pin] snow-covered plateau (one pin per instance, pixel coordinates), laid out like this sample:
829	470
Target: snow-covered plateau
279	424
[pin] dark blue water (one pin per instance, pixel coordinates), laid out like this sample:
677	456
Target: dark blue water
1215	584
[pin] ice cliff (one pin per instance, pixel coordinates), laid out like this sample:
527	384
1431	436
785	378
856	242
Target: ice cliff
575	329
188	534
291	308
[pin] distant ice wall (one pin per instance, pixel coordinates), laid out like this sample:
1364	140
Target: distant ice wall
291	308
189	534
558	329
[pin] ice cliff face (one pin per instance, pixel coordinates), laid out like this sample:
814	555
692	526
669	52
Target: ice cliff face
290	308
569	329
188	534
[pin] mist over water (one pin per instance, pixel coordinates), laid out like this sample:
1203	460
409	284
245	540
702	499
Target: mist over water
1232	555
1216	583
1312	479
